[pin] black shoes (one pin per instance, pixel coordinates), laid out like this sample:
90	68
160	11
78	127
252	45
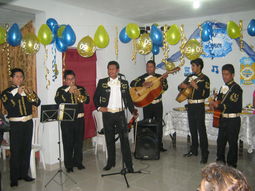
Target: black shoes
190	153
28	178
204	158
80	166
68	170
130	170
162	149
108	167
14	183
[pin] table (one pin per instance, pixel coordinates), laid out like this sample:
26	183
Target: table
177	122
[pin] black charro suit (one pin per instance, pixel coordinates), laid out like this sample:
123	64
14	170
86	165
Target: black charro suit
110	120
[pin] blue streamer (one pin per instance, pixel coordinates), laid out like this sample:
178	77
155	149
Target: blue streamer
54	62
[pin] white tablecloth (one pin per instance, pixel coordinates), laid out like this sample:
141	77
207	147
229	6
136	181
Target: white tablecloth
177	121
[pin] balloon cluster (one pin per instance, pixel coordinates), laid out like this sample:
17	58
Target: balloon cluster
151	42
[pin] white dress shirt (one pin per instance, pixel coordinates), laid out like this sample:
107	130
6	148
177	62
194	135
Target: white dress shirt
115	95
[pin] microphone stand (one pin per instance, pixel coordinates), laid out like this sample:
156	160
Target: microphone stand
124	170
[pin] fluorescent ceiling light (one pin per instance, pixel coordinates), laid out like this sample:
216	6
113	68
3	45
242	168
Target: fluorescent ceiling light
196	4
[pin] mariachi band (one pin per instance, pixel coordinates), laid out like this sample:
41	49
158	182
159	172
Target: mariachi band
112	97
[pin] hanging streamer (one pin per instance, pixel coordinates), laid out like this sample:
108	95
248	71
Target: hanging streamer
116	43
46	70
134	51
55	71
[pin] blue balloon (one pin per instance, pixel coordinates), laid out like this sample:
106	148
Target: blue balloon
51	23
61	46
251	28
54	33
14	35
155	49
156	35
123	36
68	36
207	32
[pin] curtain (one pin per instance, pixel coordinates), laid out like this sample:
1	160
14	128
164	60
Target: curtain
85	71
18	59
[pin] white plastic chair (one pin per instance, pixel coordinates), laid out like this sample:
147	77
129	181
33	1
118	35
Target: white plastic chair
100	138
36	147
6	146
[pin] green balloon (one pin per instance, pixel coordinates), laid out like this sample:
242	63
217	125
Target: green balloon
173	35
61	30
2	35
45	35
101	37
133	30
233	30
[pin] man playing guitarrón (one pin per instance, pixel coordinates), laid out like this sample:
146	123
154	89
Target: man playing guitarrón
154	109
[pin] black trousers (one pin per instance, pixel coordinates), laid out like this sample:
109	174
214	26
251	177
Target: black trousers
20	146
228	133
196	117
72	136
155	111
112	121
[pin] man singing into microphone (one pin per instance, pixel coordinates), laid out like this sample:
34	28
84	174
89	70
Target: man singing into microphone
111	98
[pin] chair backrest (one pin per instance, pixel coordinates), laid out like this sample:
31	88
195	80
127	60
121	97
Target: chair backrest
98	119
36	131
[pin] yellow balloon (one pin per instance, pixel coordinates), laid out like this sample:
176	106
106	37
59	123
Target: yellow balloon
101	37
173	35
192	49
169	66
233	30
133	30
30	44
2	35
144	44
86	47
45	35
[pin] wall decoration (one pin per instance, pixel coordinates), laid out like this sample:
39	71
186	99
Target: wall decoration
187	70
219	46
247	71
215	69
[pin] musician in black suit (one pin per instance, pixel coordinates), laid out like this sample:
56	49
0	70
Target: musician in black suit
230	96
111	98
155	109
196	108
72	131
18	101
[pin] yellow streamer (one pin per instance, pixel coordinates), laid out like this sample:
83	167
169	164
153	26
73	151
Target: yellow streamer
134	52
47	71
116	43
241	34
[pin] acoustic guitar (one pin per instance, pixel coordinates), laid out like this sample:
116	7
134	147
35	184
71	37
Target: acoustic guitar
186	93
216	116
143	96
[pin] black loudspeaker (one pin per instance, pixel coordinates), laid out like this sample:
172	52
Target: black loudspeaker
147	145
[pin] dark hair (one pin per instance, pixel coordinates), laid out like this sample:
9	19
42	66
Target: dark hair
68	72
15	70
113	63
198	62
151	62
229	67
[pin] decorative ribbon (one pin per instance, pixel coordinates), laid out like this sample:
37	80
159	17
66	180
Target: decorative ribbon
47	71
54	63
116	43
134	51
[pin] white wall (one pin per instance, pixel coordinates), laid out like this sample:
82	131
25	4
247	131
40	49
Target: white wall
233	57
84	22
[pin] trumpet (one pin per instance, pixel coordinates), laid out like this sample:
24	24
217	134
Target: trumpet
31	96
77	94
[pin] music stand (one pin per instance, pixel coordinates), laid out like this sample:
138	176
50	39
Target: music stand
62	112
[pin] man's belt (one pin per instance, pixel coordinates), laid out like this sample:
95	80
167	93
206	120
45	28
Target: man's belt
193	101
21	119
156	101
80	115
230	115
115	110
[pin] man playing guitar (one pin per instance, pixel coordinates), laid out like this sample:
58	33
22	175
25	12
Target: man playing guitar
154	109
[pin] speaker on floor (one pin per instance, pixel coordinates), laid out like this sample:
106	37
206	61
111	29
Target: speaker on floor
147	145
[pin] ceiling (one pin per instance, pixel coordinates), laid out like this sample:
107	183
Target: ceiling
141	11
149	11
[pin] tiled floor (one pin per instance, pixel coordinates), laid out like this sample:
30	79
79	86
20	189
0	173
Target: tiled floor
172	172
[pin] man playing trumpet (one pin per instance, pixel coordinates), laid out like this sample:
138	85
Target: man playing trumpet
18	101
72	131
